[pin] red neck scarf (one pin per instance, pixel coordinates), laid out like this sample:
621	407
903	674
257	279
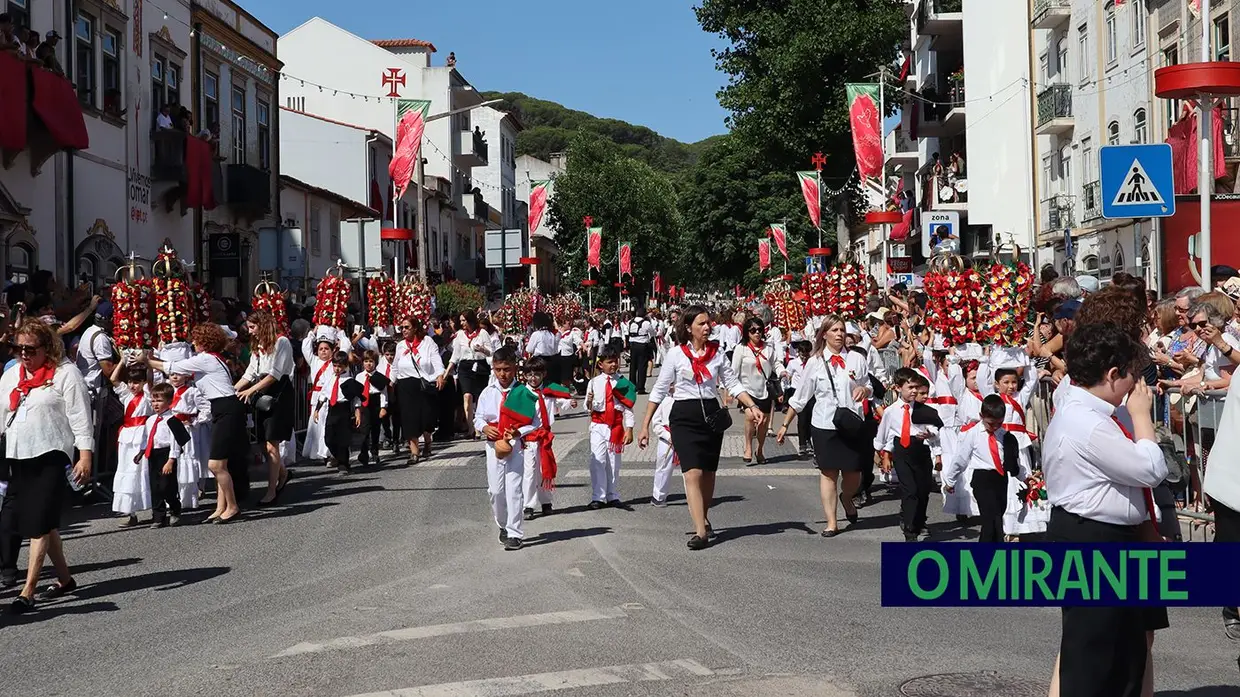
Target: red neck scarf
994	453
543	437
469	336
177	394
700	372
614	417
837	361
42	376
1150	507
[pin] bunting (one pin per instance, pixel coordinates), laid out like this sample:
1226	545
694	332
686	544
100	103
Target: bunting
780	234
810	189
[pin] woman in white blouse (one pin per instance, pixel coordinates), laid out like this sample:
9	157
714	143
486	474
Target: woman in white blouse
754	362
45	415
269	374
470	349
419	374
542	342
835	378
692	375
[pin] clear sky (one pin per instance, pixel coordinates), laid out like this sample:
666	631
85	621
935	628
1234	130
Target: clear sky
642	61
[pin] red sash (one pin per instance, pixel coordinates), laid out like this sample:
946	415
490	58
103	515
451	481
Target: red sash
317	374
544	438
942	400
132	421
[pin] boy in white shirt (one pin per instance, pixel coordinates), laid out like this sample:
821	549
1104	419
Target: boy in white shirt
505	458
342	401
164	438
610	399
540	462
904	440
374	406
987	456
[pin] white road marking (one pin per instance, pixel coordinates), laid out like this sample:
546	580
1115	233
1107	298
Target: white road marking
575	572
723	472
485	625
562	680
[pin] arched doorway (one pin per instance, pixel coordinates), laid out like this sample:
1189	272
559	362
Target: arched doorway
98	257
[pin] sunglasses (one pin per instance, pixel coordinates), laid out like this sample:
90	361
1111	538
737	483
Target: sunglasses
27	349
1199	325
755	330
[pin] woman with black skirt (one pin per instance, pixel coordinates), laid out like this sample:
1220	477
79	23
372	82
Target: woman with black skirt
45	415
835	378
470	348
419	373
230	444
696	369
269	373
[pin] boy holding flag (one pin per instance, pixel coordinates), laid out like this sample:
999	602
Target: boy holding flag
506	414
540	463
610	399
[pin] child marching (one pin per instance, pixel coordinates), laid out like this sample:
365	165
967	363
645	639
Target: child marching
610	400
504	424
131	487
540	461
165	438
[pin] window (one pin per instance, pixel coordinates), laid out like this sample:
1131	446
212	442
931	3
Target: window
158	93
1113	133
316	241
1222	39
20	266
1082	49
333	238
84	63
238	124
19	11
111	50
1112	34
1062	66
1138	24
1087	160
262	115
211	101
1065	169
1044	69
1046	175
172	83
1140	132
165	85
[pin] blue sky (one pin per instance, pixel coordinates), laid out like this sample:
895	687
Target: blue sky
642	61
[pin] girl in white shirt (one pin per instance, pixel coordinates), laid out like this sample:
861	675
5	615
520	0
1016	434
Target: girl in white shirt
471	347
270	374
419	373
542	342
131	487
315	446
754	362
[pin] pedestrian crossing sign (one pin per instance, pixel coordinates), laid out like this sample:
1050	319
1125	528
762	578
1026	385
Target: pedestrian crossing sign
1136	181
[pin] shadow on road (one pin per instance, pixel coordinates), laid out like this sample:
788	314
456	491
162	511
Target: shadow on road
156	580
564	535
1208	691
43	613
762	530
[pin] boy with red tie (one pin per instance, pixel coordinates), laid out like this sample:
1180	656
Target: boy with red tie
904	438
165	440
610	399
374	406
342	400
987	455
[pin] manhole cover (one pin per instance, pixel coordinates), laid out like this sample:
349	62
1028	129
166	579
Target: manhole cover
985	684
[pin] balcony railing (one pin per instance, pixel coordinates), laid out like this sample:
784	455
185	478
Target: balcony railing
168	155
1092	202
249	189
480	145
1057	213
938	7
1054	102
955	94
1043	8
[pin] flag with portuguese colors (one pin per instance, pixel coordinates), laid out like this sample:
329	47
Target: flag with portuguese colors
764	254
624	392
866	129
810	190
410	125
556	390
594	247
518	409
780	234
538	203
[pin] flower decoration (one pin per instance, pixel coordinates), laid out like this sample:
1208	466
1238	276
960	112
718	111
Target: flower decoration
786	311
850	298
519	307
818	297
566	308
1004	303
954	300
271	299
202	303
331	302
1035	494
412	298
175	311
379	295
133	304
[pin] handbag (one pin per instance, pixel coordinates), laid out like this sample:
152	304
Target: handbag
847	422
774	388
717	422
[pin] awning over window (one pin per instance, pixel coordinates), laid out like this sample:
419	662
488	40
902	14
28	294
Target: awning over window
12	102
57	106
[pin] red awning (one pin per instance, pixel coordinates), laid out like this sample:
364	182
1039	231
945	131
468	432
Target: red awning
199	187
12	102
56	104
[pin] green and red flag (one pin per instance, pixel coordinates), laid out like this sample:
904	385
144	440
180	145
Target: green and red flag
625	393
411	124
867	130
518	409
538	203
810	189
556	390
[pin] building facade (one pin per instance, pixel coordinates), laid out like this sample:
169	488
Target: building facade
235	91
530	169
310	241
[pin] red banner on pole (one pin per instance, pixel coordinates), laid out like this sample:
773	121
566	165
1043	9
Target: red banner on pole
658	283
780	235
764	254
594	246
810	190
626	260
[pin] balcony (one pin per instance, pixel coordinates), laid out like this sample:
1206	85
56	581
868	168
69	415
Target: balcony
168	155
954	119
1049	14
947	192
249	190
1058	214
901	150
1055	110
1091	202
942	20
473	149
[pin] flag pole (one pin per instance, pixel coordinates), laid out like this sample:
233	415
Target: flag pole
392	186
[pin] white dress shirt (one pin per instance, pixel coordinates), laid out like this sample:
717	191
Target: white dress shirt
677	372
892	425
568	342
163	121
163	434
470	348
362	379
1215	361
278	363
542	343
95	345
1222	479
56	417
211	374
973	453
794	374
191	407
332	386
421	361
752	368
596	397
660	423
817	385
1092	468
640	330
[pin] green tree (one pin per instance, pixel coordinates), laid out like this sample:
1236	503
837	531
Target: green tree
788	62
628	199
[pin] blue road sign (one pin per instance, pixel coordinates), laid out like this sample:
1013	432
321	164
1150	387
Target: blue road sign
1136	181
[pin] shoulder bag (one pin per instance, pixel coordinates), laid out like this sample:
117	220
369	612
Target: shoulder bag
774	388
846	421
428	386
718	421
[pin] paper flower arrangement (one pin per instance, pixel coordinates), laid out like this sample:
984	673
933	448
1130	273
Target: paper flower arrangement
412	298
786	311
270	297
379	295
850	300
519	308
175	310
566	307
1005	303
331	302
820	292
133	304
955	297
202	303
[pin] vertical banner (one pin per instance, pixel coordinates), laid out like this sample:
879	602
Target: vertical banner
867	130
626	260
811	190
410	124
764	254
594	246
780	234
658	283
538	203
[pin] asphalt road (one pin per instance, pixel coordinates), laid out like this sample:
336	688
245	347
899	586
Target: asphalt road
392	582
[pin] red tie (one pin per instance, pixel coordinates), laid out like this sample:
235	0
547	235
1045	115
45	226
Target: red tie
335	393
1148	492
838	362
994	454
906	426
366	391
150	440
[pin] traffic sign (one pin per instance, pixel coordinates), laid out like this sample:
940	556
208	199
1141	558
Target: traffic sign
1136	181
939	228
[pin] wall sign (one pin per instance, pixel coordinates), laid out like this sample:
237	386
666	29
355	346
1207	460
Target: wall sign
225	254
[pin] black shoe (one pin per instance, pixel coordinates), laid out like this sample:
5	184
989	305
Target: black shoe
8	579
710	532
960	518
617	503
910	537
57	590
530	514
1231	623
503	535
21	605
594	505
174	521
546	509
696	542
828	532
342	470
512	544
159	523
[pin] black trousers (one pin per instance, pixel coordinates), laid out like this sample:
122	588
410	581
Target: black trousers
990	490
1102	649
165	496
10	543
370	431
639	362
391	424
1226	529
339	433
805	418
915	469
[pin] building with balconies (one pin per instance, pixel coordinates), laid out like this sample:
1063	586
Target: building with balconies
1093	87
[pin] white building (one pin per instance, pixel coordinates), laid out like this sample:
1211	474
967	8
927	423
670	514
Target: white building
79	214
310	240
1094	88
338	75
530	169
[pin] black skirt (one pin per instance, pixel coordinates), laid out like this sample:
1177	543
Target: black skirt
417	408
696	445
276	425
472	377
228	428
36	494
833	451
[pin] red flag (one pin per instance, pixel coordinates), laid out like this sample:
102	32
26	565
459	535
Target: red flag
594	238
781	239
408	145
867	129
658	283
671	292
626	260
764	254
810	189
538	203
